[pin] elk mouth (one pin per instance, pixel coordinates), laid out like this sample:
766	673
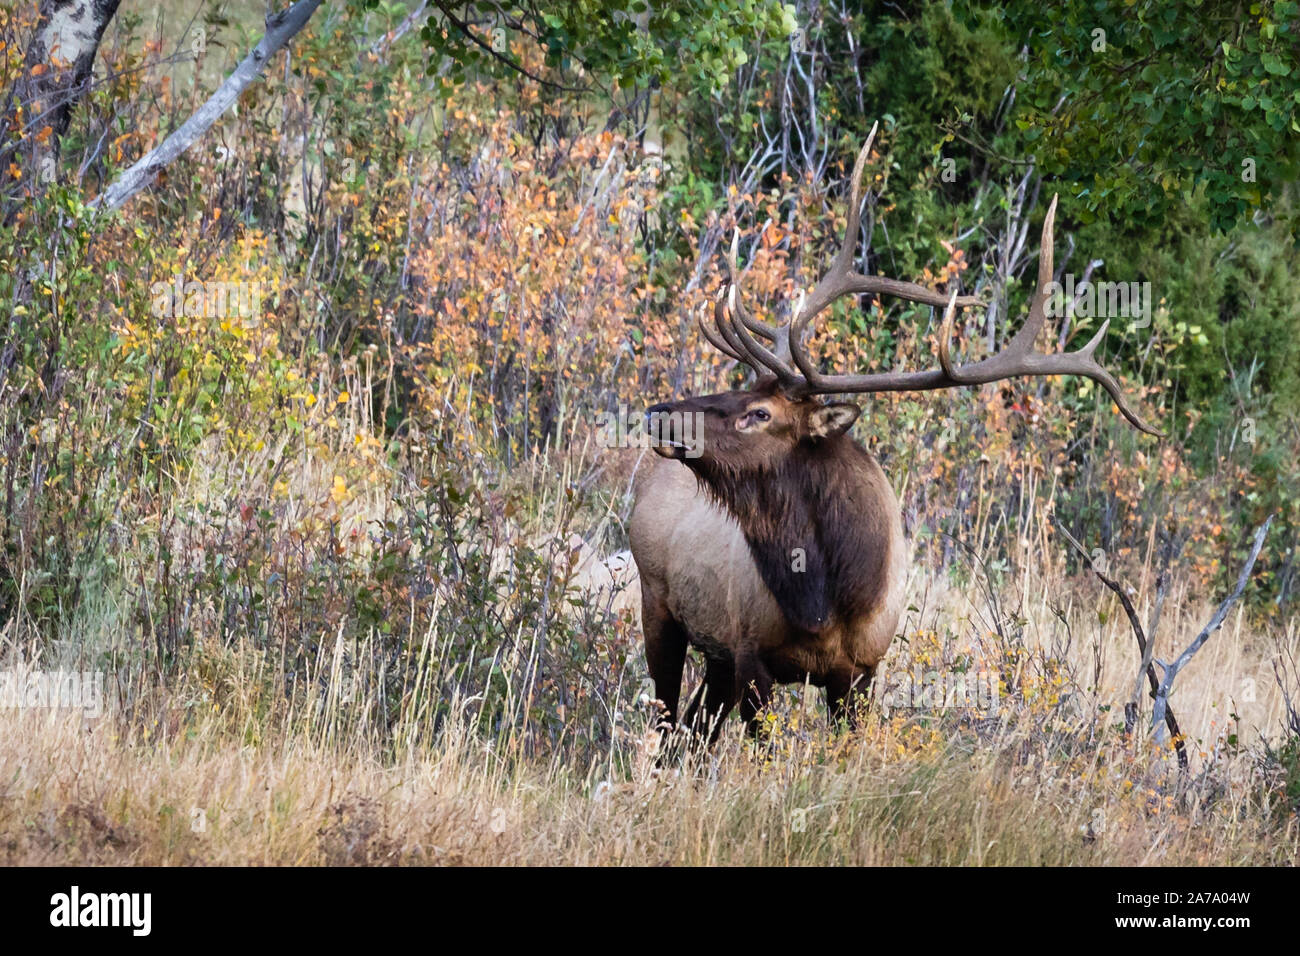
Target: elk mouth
670	432
669	449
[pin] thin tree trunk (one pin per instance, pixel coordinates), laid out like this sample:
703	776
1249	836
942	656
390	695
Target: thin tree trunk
56	73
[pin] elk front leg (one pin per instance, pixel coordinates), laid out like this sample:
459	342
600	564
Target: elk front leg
665	654
848	694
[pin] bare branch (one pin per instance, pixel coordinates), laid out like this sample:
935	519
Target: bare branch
1171	670
280	29
1145	644
381	45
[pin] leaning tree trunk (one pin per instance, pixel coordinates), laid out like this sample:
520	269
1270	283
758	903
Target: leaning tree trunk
280	29
56	73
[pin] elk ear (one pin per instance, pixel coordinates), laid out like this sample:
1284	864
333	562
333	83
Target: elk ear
831	420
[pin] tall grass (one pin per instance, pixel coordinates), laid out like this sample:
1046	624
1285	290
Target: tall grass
367	747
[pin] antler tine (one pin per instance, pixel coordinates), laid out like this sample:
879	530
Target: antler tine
733	339
741	324
829	288
771	333
760	356
715	338
844	260
1107	381
945	336
725	329
1023	341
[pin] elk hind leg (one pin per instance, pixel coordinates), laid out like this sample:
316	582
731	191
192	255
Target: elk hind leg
848	694
755	685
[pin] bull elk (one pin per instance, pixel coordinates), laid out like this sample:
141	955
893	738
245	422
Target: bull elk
771	541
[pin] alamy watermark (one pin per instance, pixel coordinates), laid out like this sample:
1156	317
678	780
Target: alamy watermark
131	911
1101	299
628	429
938	690
66	690
205	299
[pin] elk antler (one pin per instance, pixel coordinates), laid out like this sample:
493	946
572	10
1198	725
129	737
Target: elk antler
736	329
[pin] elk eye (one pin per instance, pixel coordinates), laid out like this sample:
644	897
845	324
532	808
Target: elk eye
761	414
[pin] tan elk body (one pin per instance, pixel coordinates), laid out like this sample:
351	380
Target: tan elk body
768	539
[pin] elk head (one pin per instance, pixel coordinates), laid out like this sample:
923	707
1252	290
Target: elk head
747	429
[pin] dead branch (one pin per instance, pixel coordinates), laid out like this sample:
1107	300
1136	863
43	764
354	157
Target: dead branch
1172	545
1144	646
380	46
1160	708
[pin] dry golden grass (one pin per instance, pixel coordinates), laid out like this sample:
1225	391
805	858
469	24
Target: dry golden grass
1038	779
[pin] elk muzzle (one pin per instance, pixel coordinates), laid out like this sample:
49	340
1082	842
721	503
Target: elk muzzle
674	431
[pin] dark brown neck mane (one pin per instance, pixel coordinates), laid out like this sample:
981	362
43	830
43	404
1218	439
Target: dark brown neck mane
814	527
